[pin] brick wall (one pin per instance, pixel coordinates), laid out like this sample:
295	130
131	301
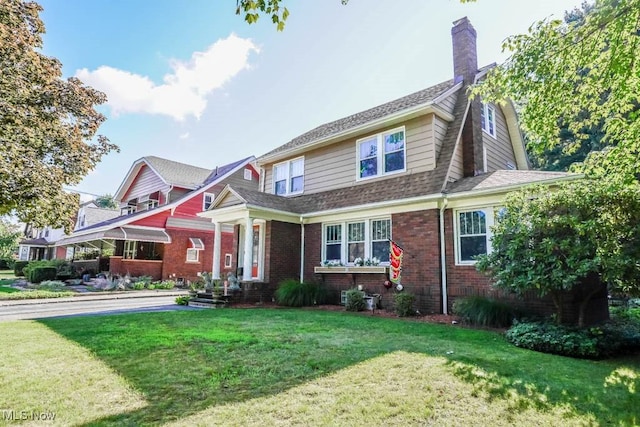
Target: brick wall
135	267
282	253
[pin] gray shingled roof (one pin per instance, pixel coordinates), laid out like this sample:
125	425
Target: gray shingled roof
396	188
332	128
178	174
504	178
96	215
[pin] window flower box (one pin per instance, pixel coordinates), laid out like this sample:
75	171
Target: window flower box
367	269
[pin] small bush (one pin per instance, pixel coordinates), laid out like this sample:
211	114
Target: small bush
7	263
151	286
483	311
39	274
404	304
183	300
137	286
165	284
609	339
19	267
355	300
292	293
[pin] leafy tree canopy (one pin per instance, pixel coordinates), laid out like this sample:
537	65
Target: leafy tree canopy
579	75
106	201
47	124
9	238
252	10
551	242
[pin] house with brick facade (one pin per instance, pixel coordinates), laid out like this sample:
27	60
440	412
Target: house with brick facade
428	171
157	231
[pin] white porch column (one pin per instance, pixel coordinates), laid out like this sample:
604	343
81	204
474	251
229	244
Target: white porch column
248	249
217	245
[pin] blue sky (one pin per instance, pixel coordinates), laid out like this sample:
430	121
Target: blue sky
192	82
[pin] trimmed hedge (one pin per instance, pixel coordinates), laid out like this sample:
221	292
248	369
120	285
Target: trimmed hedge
18	268
40	274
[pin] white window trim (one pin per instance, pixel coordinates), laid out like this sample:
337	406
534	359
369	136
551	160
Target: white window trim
485	111
129	250
228	260
193	251
380	154
204	200
489	212
344	249
288	191
248	175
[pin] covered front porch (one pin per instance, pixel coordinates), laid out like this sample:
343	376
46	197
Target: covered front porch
134	251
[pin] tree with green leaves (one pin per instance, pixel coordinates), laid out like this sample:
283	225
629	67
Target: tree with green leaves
252	10
47	124
570	243
579	76
106	201
9	238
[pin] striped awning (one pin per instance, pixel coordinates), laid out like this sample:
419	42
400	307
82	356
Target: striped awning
157	235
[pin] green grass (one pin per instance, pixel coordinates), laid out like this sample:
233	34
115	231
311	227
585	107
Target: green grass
7	274
7	289
300	367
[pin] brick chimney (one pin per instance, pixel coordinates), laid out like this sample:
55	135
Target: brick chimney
465	68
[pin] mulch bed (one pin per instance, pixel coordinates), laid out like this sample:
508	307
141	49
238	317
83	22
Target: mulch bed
429	318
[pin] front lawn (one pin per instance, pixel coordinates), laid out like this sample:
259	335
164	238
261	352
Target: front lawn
300	367
7	274
7	289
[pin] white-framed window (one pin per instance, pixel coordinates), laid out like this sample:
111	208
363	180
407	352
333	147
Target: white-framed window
488	119
288	177
248	175
193	255
152	203
473	233
207	200
227	260
365	239
381	154
130	249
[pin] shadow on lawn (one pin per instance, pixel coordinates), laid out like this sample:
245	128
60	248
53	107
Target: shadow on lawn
188	361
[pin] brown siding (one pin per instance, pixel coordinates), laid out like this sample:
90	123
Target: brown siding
499	149
440	127
456	169
335	166
449	102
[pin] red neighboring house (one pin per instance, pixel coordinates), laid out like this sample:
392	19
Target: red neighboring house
158	232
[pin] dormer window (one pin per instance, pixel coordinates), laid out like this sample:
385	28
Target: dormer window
131	207
488	119
248	175
381	154
288	177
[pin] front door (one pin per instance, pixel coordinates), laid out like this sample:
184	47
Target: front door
255	253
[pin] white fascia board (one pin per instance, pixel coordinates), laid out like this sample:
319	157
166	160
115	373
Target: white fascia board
508	188
391	119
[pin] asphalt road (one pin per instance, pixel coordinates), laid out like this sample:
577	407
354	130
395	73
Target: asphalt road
84	306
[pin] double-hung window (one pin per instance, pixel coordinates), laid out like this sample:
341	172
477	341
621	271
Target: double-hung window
130	249
473	233
288	177
365	239
381	154
207	200
488	119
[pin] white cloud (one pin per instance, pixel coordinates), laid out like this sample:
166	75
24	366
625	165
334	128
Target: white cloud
183	91
184	135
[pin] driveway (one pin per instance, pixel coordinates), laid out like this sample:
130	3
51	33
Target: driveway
91	305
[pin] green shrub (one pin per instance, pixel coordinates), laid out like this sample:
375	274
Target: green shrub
165	284
484	312
35	295
355	300
7	263
293	293
38	274
183	300
151	286
19	267
51	285
404	304
32	265
137	286
609	339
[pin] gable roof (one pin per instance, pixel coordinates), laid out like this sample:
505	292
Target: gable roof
94	215
420	98
223	172
176	173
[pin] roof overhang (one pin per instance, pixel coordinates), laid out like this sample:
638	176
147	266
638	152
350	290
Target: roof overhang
143	234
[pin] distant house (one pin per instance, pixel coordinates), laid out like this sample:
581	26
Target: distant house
156	231
39	244
428	171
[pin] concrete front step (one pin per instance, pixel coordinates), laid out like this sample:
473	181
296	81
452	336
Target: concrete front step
207	303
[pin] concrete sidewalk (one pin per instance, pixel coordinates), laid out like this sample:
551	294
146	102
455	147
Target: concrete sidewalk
97	296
